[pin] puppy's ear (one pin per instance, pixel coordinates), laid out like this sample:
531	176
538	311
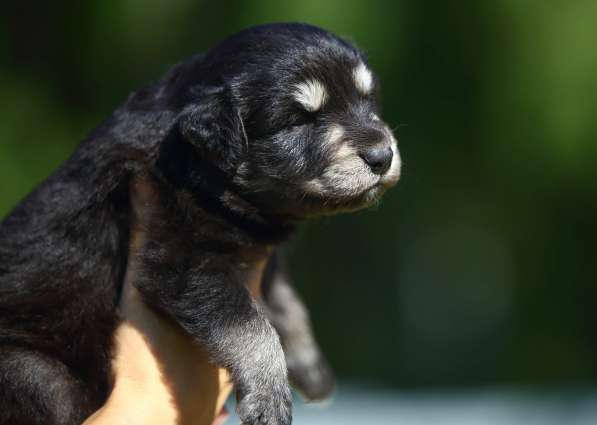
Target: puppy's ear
214	126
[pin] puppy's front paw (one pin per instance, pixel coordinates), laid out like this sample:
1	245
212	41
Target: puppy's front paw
266	406
314	379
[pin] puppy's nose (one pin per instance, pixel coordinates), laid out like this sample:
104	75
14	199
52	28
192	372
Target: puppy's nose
378	159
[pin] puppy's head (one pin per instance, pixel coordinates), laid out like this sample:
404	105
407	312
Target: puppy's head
290	113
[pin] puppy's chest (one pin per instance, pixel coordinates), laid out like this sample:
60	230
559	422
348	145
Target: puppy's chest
189	238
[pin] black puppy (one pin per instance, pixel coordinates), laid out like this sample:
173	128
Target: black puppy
197	178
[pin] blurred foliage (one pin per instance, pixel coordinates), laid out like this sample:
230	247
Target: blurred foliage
479	267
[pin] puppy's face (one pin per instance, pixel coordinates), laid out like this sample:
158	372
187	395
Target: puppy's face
306	102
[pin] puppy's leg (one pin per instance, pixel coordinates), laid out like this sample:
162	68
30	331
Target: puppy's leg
307	367
219	312
36	390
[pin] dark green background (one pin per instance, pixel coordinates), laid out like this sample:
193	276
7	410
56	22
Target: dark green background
479	267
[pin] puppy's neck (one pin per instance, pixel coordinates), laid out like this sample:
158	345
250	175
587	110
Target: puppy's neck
214	192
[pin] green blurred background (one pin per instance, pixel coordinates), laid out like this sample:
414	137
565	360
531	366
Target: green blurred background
479	267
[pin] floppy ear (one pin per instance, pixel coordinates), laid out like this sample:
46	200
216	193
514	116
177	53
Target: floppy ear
214	126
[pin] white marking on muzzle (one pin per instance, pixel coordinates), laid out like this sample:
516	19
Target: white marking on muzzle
333	135
393	174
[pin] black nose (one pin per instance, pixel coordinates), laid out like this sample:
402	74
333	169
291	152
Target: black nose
378	159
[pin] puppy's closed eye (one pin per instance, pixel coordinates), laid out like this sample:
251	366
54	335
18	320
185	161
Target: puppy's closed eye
301	116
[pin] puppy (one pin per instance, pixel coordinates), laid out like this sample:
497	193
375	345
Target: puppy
198	180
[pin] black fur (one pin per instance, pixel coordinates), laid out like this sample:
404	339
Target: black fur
207	167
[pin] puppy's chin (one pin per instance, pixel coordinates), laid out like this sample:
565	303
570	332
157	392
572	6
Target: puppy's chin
339	195
366	199
313	206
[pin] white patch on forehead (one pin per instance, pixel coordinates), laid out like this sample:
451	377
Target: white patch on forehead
363	78
312	94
